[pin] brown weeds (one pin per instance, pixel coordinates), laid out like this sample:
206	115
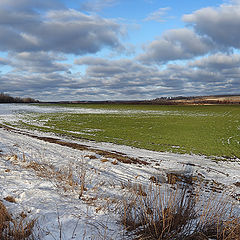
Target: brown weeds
10	199
179	214
15	228
62	178
4	218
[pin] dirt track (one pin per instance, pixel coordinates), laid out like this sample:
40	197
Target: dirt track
116	155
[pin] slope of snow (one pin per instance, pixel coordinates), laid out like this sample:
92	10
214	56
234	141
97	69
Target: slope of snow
57	205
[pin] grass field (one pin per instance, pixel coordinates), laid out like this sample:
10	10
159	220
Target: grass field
207	130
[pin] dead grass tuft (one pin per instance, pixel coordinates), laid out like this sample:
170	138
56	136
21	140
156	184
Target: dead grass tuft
237	184
135	188
4	217
10	199
104	160
15	228
62	178
91	156
178	214
115	162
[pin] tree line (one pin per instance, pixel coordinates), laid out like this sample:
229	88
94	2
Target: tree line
5	98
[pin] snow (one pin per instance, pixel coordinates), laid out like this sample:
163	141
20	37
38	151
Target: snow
59	210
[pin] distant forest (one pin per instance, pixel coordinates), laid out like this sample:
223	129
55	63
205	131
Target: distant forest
5	98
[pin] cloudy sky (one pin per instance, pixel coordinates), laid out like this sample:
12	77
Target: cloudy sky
119	49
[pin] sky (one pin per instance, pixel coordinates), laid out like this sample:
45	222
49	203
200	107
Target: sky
54	50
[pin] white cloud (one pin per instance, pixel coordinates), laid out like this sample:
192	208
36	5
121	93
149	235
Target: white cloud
97	5
66	31
37	41
175	44
221	24
218	62
159	15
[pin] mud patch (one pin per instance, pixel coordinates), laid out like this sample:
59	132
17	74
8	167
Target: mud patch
106	154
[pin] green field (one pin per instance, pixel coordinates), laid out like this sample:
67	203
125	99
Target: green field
205	130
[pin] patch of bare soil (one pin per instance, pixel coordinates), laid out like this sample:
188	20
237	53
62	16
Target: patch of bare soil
107	154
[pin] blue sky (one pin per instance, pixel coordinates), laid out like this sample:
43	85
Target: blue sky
119	49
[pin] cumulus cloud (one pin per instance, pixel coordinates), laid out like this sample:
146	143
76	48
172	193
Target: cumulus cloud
4	61
176	44
219	72
97	5
218	62
64	30
30	5
158	15
221	24
117	73
208	30
128	79
125	79
214	74
44	86
37	35
38	62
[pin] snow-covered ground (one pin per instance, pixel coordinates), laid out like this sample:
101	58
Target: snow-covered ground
47	191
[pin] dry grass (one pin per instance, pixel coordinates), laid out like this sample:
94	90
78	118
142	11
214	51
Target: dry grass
104	160
149	213
4	218
63	178
91	156
10	199
82	176
115	162
178	214
15	228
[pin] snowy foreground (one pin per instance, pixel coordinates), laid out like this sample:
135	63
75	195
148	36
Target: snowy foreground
42	177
